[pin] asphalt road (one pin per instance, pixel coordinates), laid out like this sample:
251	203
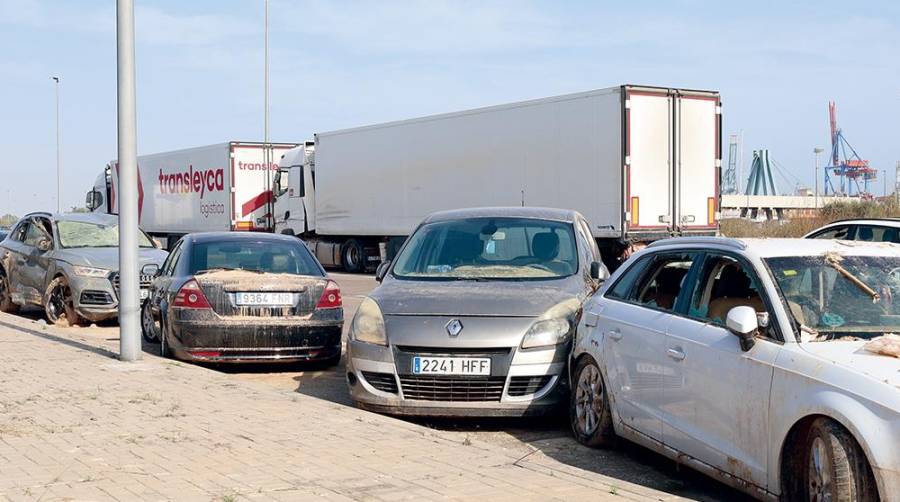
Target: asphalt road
550	435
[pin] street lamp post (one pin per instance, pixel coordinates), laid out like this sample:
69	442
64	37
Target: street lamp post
129	285
267	150
58	172
816	152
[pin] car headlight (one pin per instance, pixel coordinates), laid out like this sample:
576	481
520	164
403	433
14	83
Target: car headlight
554	327
368	324
91	271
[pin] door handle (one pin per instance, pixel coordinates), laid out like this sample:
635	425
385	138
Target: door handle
615	334
675	354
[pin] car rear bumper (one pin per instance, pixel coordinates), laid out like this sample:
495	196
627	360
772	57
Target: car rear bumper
376	384
237	341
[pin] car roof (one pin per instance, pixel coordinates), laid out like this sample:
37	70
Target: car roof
539	213
202	237
98	218
773	248
890	222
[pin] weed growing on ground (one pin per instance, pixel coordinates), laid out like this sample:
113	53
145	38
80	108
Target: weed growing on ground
798	227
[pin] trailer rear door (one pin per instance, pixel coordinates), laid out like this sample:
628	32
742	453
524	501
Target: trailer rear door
698	161
648	160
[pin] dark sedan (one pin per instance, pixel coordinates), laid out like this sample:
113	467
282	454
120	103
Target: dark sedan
243	297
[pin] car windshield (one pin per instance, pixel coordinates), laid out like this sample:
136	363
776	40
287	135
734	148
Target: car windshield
834	296
81	234
253	256
489	248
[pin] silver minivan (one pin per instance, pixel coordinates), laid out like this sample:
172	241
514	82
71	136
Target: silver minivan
475	315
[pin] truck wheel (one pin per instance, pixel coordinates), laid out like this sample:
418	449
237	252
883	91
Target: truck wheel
353	257
835	467
59	304
6	303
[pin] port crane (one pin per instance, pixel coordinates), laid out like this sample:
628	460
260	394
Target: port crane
846	164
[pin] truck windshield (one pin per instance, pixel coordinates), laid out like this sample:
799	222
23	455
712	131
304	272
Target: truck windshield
841	296
489	248
253	256
82	234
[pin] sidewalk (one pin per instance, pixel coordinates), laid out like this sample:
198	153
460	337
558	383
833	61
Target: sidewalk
77	424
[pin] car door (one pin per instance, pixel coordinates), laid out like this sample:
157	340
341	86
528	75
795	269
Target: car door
159	288
32	269
718	412
634	319
14	253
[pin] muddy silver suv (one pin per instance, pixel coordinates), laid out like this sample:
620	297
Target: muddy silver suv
68	264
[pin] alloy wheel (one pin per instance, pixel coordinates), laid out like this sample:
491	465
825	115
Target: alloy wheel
819	477
588	399
60	297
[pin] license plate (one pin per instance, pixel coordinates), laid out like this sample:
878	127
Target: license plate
144	294
474	366
277	299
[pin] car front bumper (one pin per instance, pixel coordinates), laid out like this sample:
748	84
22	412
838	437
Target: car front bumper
255	340
522	383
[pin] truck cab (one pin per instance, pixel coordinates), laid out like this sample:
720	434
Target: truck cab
294	190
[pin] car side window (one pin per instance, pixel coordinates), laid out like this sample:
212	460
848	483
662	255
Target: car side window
18	233
169	265
872	233
724	283
585	231
621	290
33	235
663	283
841	232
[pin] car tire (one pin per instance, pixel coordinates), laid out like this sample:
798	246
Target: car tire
589	411
834	467
6	303
59	304
353	256
148	325
164	350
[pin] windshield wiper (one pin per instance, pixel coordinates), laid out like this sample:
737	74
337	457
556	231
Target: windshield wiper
834	262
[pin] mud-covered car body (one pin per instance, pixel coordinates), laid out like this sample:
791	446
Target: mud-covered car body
37	253
256	297
438	317
681	381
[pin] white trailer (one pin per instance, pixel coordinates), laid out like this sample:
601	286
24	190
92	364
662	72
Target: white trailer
220	187
640	163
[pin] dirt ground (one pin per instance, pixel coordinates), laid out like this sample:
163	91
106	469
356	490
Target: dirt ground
523	436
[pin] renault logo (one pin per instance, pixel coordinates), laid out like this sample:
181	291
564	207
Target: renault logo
454	327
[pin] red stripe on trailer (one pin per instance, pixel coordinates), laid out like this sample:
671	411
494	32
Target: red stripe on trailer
256	202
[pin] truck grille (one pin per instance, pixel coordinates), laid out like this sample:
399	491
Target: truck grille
385	382
146	280
460	389
94	297
525	386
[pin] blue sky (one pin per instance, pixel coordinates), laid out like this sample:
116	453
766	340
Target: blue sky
340	64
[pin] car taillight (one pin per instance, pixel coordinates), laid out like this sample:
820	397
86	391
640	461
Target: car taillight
190	296
331	297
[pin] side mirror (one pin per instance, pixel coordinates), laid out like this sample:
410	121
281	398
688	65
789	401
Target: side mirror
44	245
382	270
742	321
150	270
599	272
93	200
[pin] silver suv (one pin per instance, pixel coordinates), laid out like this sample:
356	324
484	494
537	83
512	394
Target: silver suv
68	264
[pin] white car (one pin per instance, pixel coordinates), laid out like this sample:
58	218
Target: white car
871	230
748	360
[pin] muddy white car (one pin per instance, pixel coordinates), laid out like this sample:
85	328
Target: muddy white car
769	364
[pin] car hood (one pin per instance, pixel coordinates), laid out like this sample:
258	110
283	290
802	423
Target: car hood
853	356
468	298
107	258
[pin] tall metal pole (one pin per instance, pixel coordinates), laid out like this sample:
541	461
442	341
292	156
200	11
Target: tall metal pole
267	154
816	152
129	285
58	175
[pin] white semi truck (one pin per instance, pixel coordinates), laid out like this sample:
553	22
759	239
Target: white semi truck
222	187
640	163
